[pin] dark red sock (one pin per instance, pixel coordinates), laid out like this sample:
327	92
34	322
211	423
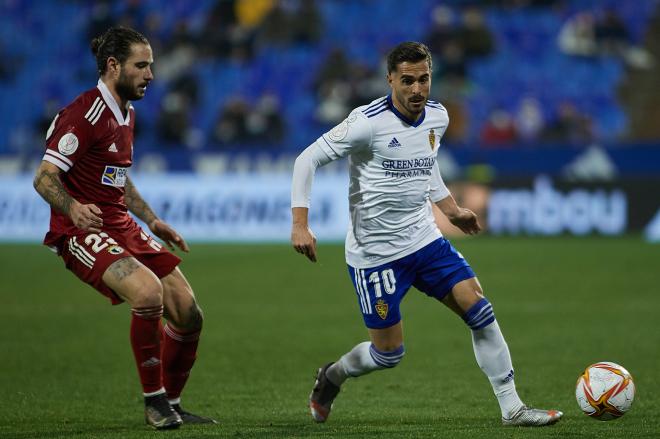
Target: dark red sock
146	334
179	355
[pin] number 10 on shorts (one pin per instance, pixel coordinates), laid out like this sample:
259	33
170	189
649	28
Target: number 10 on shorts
380	281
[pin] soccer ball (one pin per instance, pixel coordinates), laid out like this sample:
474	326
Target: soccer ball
605	391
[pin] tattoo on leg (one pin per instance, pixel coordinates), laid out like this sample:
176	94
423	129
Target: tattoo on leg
196	317
123	268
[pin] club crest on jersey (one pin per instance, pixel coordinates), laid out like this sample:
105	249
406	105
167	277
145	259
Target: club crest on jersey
114	176
68	144
115	250
432	139
381	308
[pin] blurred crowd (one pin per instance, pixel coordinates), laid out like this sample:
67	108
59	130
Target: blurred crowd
461	38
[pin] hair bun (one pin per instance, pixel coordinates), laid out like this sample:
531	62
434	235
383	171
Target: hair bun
96	44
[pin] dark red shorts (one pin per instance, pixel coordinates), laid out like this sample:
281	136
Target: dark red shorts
88	255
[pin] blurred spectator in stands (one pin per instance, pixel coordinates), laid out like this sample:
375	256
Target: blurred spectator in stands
178	54
332	87
365	85
457	131
188	85
262	126
451	64
173	124
613	38
584	35
251	13
499	130
474	35
611	33
224	36
265	123
569	126
101	19
291	21
442	30
450	86
231	126
577	35
307	22
528	120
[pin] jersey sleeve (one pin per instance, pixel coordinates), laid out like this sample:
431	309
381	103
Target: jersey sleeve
438	189
303	174
351	135
68	138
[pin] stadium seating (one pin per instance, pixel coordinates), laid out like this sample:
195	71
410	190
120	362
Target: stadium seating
53	63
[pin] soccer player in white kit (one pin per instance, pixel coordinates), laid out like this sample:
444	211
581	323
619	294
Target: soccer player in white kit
393	242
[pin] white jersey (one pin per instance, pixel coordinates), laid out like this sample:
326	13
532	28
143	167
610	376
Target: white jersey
393	174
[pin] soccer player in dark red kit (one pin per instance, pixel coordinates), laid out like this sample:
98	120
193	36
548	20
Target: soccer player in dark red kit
84	177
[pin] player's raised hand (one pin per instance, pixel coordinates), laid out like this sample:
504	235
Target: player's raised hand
86	216
169	236
304	241
466	220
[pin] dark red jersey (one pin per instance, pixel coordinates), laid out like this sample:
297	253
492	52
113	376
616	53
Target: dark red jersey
91	141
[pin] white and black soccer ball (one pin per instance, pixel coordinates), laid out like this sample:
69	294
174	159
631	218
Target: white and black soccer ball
605	391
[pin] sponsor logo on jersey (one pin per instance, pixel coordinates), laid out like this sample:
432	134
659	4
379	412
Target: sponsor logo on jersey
113	148
68	144
381	308
394	143
432	139
115	250
114	176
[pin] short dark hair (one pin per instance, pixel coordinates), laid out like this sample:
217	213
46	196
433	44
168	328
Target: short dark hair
410	51
115	42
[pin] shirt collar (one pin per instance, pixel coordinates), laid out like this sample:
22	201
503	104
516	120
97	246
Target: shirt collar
112	103
404	118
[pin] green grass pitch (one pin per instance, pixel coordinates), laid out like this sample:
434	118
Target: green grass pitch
272	318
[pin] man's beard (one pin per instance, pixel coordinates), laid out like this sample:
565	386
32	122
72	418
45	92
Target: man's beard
126	90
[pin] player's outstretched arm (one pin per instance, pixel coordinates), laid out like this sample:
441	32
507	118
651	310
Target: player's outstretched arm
48	184
463	218
142	210
302	237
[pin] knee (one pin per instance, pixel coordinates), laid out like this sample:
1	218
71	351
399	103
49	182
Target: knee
479	315
187	319
148	294
387	359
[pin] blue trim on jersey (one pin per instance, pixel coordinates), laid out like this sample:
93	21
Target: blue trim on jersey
377	109
375	104
404	118
378	112
434	106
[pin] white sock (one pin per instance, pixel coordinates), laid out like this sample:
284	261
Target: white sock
355	363
493	357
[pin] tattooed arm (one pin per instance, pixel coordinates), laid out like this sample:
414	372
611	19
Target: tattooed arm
141	209
48	184
137	205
